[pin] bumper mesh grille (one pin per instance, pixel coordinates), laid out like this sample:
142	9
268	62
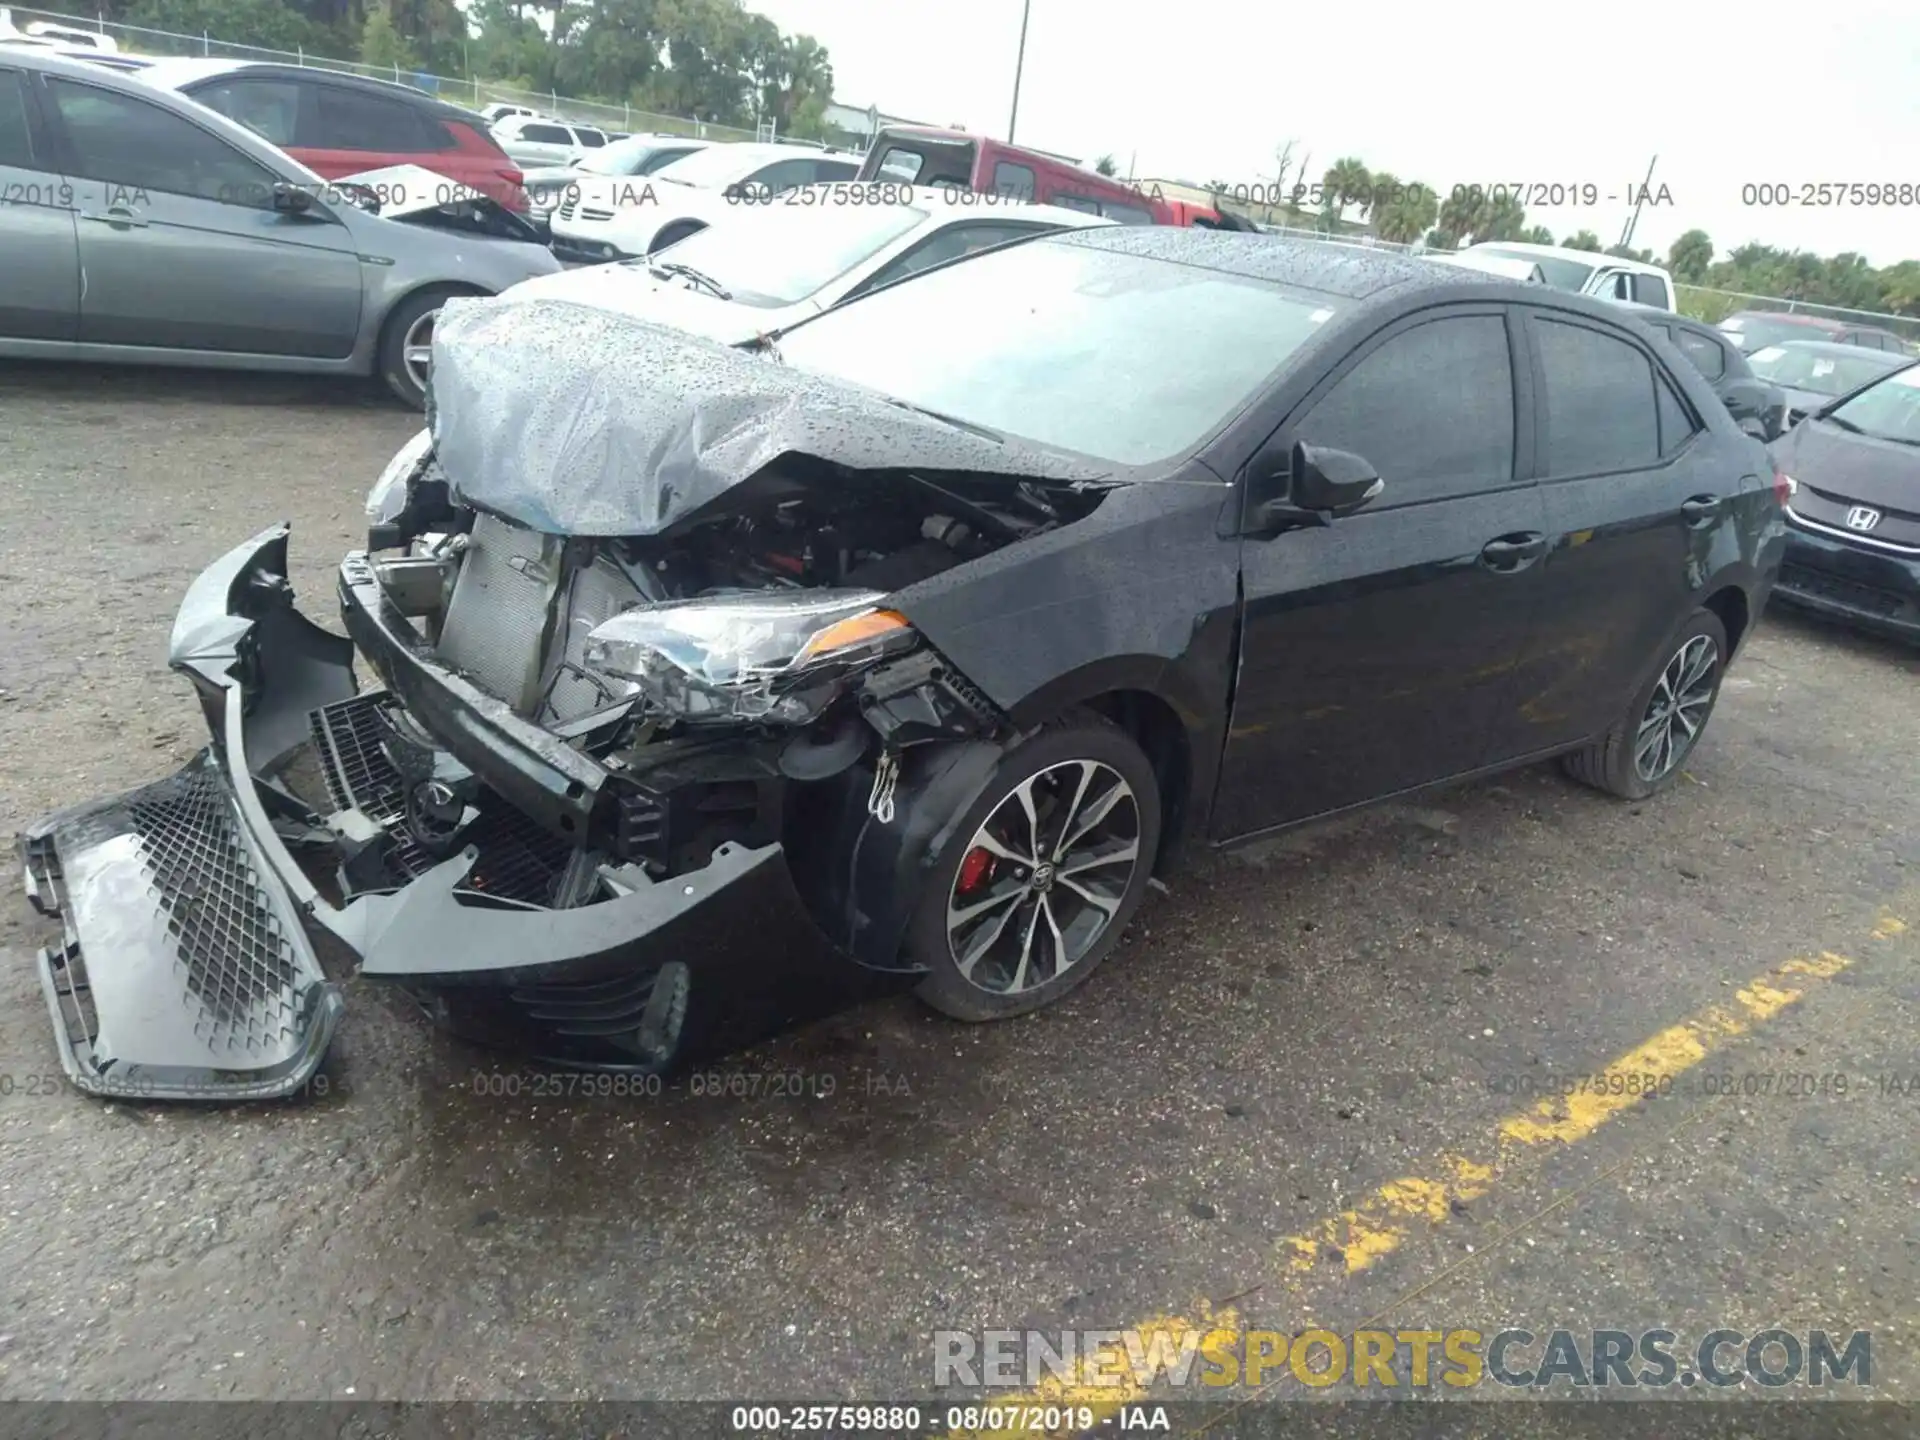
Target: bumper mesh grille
238	962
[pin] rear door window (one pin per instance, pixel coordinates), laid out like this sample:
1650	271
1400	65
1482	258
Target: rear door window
546	134
16	138
1431	408
269	108
353	120
835	169
1126	214
1012	182
1600	414
1650	290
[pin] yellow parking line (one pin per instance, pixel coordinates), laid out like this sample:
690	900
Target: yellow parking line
1387	1218
1381	1223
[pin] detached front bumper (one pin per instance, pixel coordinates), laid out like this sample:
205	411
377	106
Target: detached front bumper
1875	590
189	966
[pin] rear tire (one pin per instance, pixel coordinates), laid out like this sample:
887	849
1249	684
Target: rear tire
1645	749
408	330
1095	805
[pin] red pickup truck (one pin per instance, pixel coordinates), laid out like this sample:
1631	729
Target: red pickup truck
921	155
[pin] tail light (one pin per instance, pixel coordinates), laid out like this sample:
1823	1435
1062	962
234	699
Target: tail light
1784	486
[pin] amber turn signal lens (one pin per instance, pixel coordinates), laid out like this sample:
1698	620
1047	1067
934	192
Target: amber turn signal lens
852	631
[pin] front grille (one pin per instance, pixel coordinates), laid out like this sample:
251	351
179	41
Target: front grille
1819	585
594	213
237	961
518	860
358	774
567	208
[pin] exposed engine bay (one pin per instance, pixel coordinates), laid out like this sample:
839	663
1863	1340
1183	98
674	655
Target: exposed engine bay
516	613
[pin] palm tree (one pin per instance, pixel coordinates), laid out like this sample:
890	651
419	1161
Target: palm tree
1347	182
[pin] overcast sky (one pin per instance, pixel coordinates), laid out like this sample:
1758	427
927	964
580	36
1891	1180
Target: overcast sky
1448	93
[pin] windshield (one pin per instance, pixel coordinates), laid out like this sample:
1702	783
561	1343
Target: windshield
1889	410
1560	272
1801	367
778	254
715	165
622	157
1123	358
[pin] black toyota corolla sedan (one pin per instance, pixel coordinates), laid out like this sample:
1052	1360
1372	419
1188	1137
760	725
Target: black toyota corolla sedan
1853	538
715	688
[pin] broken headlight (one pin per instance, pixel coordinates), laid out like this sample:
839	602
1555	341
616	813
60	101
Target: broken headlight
389	494
750	656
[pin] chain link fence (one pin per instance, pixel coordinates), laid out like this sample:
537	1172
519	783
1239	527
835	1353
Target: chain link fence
475	93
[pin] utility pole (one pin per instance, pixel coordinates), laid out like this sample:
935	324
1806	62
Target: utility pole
1633	218
1019	63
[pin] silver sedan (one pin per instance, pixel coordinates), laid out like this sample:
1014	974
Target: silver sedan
140	227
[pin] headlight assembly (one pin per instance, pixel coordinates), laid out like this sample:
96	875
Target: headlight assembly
389	494
748	656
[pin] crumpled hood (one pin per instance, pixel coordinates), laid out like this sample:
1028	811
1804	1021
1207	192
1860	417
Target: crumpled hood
629	288
1854	467
574	420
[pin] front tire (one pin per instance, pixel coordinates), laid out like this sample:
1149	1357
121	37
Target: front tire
406	345
1643	752
1041	875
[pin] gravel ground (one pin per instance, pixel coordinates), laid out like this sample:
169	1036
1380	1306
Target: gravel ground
1290	1028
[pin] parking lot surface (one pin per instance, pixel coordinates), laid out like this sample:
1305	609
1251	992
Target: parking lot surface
1303	1091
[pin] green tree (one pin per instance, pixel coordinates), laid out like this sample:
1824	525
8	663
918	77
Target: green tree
1689	257
1538	235
1399	210
381	44
1106	165
1472	212
1347	182
1582	240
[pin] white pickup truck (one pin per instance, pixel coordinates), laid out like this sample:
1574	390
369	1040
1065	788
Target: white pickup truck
1587	272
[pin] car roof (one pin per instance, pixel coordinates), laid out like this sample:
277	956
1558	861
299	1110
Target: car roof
1567	252
177	72
1837	349
1815	322
1353	272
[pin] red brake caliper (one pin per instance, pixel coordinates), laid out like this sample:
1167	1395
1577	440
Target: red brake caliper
976	869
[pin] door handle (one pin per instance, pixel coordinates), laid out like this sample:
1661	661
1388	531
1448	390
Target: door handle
117	216
1700	511
1510	554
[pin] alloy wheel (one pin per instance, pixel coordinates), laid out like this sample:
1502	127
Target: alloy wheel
1677	710
416	349
1043	876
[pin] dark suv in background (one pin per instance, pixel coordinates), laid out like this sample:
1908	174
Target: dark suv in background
340	125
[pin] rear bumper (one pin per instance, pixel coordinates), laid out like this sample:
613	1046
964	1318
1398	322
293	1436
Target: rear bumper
1874	590
188	966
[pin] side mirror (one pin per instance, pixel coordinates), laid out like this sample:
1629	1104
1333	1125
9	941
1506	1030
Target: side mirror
1337	482
290	199
1308	485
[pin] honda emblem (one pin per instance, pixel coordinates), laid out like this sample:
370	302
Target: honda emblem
1862	517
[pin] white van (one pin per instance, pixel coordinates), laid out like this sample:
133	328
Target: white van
1587	272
